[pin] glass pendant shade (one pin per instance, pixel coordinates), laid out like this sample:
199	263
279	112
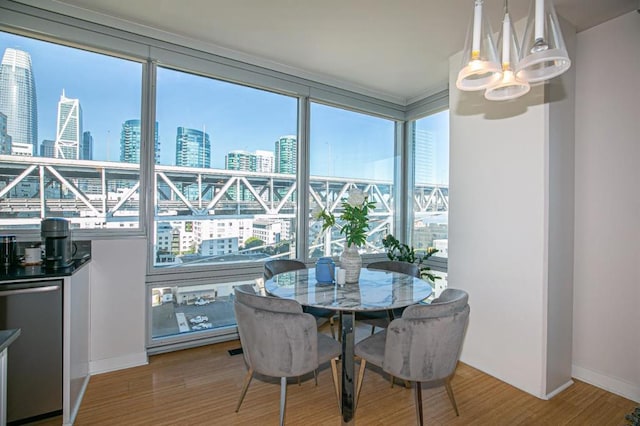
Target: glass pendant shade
480	66
509	86
543	54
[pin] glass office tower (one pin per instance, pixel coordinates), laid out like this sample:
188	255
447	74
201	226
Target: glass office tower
86	146
240	160
5	139
18	98
193	148
130	137
286	154
69	128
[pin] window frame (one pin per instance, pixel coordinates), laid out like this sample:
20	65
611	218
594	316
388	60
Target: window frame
152	48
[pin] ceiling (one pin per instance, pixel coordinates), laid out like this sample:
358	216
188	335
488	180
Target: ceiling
397	50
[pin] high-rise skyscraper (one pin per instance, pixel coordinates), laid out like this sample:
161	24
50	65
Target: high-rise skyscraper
240	160
18	98
424	147
5	139
69	128
258	161
86	146
286	154
193	148
130	142
48	148
264	161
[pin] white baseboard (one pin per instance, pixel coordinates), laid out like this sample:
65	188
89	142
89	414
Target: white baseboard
76	407
119	363
558	389
608	383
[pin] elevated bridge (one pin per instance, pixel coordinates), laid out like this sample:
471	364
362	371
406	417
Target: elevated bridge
95	194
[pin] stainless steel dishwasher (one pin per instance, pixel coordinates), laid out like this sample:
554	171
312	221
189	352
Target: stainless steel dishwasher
34	368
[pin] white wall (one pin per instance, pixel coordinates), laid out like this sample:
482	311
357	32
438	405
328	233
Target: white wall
606	348
560	219
510	164
117	330
496	232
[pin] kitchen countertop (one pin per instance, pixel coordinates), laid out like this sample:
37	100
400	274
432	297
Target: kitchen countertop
20	273
7	337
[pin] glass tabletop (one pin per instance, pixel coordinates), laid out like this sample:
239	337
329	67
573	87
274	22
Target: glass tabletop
377	290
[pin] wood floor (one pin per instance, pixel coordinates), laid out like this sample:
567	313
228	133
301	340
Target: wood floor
201	386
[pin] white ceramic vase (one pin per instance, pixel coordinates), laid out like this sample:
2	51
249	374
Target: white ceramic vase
351	262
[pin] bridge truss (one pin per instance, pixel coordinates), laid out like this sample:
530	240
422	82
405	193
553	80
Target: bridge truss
95	194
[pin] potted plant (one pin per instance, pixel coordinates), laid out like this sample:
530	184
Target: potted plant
404	253
354	226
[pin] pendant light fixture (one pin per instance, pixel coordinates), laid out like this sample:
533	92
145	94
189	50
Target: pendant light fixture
544	54
480	66
509	86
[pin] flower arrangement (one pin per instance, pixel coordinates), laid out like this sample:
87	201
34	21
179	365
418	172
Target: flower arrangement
355	217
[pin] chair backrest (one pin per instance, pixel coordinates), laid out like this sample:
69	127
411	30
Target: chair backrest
278	339
277	266
451	295
246	288
396	266
424	345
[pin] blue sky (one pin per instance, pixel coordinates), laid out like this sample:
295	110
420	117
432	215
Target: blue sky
343	143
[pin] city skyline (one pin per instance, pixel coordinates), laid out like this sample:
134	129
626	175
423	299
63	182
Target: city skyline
236	117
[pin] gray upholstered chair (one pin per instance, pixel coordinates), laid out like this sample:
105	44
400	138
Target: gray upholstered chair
422	347
277	266
279	340
382	319
396	266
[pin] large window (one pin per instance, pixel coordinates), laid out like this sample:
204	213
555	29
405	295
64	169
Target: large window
225	174
429	143
349	151
65	150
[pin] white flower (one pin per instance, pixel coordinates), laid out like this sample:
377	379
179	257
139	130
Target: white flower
316	213
356	197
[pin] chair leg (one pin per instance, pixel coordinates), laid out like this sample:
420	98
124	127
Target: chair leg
333	333
334	372
245	386
418	402
373	329
447	386
283	398
315	376
363	364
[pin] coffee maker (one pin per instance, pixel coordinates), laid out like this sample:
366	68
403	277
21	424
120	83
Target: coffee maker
8	251
56	237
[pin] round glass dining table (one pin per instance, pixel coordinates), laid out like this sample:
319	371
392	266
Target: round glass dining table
376	290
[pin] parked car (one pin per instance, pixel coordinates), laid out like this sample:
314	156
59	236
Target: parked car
199	319
201	302
202	326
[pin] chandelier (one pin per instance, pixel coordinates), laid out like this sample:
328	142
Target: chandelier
541	56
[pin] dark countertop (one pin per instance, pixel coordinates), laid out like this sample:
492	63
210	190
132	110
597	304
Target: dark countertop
19	273
7	337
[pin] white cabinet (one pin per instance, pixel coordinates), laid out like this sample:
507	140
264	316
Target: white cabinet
75	371
6	338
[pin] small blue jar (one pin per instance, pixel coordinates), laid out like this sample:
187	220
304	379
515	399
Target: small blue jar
325	270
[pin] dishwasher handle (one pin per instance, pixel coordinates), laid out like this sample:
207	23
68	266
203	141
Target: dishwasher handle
29	290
